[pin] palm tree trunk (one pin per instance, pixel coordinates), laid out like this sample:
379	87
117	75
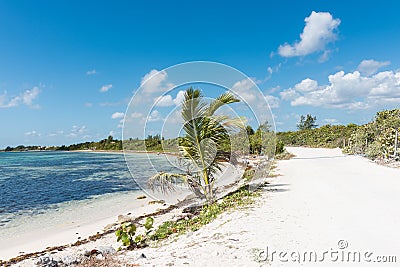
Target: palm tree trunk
208	187
209	193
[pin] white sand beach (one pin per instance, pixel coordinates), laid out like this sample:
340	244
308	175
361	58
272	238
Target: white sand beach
65	226
322	202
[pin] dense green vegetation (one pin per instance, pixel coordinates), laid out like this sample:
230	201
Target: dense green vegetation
153	143
377	139
329	136
262	140
106	144
25	148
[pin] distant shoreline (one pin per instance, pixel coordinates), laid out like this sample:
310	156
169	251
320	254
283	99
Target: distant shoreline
100	151
126	151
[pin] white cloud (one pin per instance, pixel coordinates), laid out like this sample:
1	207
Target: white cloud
91	72
317	33
167	100
306	85
369	66
289	94
88	105
273	101
33	134
347	90
325	56
174	118
117	115
29	95
273	69
154	116
105	88
25	98
76	131
136	115
164	101
110	104
179	98
243	89
121	124
155	81
274	89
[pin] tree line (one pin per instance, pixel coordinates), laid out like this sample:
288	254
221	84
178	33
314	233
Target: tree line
106	144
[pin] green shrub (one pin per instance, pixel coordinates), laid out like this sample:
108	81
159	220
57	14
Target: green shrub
126	234
280	147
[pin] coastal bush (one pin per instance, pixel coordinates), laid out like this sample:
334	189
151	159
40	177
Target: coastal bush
329	136
280	147
377	139
126	233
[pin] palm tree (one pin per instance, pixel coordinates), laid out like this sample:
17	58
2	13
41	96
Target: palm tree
200	148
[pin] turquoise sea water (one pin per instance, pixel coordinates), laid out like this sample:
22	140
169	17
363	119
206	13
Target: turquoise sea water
35	182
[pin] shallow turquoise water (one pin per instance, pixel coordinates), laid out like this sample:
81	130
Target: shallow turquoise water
36	182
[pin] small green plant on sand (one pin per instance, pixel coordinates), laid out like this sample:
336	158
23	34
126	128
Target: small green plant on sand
126	233
248	174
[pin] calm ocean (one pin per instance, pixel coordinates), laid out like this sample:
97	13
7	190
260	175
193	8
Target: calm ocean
34	183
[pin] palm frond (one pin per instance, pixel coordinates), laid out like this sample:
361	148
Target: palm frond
192	106
225	98
237	123
166	182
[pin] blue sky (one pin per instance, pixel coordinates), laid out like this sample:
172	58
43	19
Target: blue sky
69	68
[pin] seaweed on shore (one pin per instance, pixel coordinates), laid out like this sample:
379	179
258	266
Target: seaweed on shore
83	241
